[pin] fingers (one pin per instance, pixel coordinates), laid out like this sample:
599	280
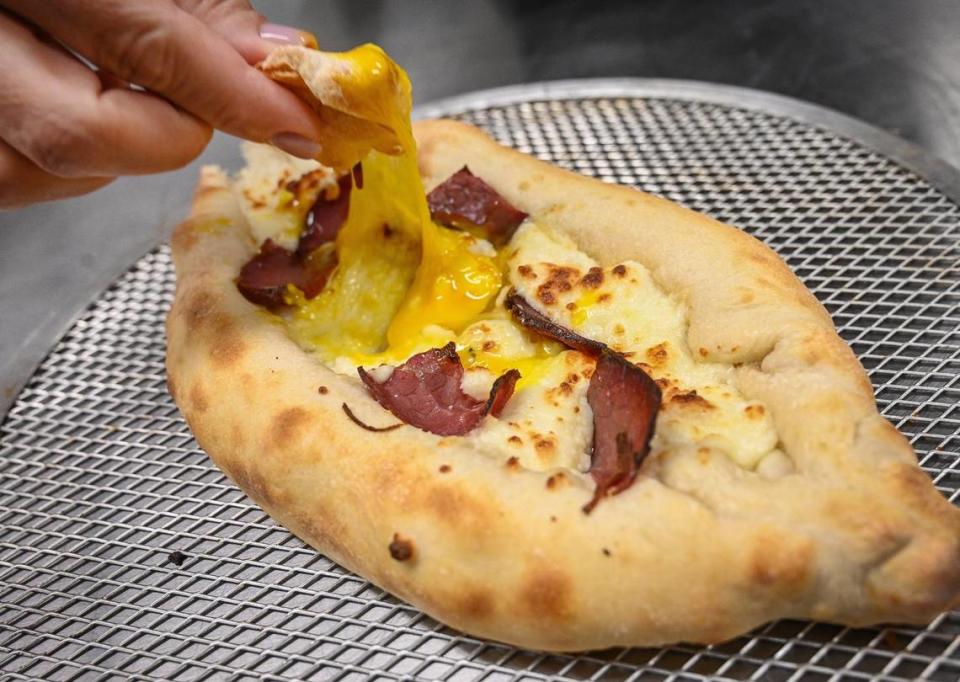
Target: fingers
171	52
55	111
244	29
22	182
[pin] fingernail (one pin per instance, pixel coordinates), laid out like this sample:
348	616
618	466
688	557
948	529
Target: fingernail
288	35
297	145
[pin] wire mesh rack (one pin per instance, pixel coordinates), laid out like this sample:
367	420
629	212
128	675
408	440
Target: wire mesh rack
125	554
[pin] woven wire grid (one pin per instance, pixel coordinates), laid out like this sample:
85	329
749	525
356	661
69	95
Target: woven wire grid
101	479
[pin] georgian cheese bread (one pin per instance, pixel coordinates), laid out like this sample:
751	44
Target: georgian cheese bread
772	487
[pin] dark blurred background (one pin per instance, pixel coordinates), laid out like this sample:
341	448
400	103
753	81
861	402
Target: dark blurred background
892	63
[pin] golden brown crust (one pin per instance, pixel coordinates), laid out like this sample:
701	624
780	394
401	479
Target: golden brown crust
698	549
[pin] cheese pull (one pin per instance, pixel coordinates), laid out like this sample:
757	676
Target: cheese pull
364	99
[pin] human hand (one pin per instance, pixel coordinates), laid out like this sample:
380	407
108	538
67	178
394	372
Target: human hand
67	129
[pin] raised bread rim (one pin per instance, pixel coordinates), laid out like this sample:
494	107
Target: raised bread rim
858	535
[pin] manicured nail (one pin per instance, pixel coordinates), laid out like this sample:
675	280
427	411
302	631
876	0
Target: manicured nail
297	145
288	35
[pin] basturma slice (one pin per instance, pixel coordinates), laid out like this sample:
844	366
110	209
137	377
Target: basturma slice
264	278
531	318
425	392
463	201
625	402
326	217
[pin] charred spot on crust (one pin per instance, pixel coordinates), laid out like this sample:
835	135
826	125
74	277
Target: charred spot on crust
546	593
198	398
620	270
444	469
401	549
779	562
526	272
323	390
227	345
703	352
515	440
754	411
606	552
199	308
512	463
477	604
287	425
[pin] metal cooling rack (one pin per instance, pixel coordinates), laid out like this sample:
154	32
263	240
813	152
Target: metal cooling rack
101	483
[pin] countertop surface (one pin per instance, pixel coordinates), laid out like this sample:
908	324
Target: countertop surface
891	63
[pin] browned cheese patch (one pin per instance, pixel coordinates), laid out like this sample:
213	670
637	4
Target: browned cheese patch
556	481
545	446
690	398
658	355
560	280
593	279
526	272
754	411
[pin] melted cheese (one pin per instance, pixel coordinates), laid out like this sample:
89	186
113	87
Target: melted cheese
271	209
399	274
404	285
624	308
547	424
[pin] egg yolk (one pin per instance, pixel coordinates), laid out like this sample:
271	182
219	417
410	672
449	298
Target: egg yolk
403	284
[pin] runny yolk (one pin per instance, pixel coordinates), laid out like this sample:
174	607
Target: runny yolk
389	297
